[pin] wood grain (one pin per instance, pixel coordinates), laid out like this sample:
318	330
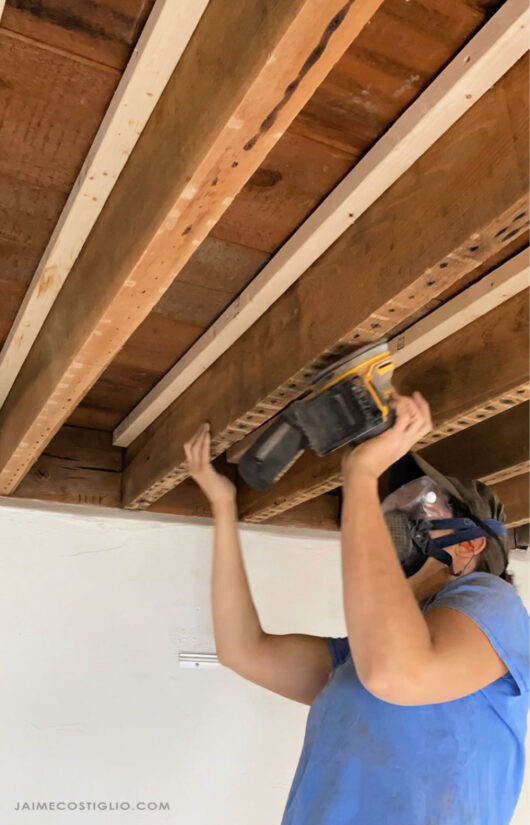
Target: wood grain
514	494
391	62
80	466
287	187
146	356
437	223
469	377
421	37
104	31
50	108
495	449
215	273
165	201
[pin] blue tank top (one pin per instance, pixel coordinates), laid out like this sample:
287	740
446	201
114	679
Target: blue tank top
368	762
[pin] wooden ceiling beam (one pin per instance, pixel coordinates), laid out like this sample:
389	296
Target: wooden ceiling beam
81	466
200	146
475	374
514	494
458	206
473	302
480	64
492	450
160	46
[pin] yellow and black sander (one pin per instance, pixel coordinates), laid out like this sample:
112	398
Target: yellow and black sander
347	403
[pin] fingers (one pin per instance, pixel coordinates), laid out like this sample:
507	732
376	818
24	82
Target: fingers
197	449
424	408
205	447
413	415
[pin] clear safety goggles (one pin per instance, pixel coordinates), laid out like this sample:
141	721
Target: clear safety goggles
420	499
410	513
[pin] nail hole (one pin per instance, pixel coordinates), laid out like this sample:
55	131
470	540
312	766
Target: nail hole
511	234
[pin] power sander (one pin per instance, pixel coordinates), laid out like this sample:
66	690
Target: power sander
347	403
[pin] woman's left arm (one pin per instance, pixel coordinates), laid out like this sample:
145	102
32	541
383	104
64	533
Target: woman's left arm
401	655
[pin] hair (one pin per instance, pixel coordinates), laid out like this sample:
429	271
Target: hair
483	563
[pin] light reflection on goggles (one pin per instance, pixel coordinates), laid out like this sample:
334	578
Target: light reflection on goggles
408	513
422	498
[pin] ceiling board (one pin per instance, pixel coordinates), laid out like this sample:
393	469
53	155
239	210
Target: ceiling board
405	45
50	108
145	357
437	222
287	187
101	30
420	38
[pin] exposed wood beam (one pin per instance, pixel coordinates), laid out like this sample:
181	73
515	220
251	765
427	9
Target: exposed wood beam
80	466
519	537
160	46
492	450
514	494
496	287
321	513
477	300
491	53
201	144
476	373
458	206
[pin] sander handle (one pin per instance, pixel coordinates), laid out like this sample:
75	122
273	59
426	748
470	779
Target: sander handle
271	455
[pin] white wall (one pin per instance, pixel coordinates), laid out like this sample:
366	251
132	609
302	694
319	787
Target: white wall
94	608
93	705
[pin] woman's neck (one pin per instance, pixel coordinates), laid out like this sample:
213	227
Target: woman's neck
429	579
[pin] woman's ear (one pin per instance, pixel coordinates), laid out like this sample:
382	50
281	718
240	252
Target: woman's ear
466	549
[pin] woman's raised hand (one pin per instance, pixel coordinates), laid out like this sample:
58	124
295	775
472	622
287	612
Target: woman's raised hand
217	488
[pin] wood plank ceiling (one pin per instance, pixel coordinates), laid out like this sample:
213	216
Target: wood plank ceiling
60	62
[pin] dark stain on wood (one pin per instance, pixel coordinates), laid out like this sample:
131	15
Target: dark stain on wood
67	19
265	177
315	55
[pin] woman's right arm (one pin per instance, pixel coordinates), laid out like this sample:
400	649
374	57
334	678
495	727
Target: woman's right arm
294	665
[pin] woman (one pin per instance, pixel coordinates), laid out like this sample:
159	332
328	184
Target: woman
418	716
